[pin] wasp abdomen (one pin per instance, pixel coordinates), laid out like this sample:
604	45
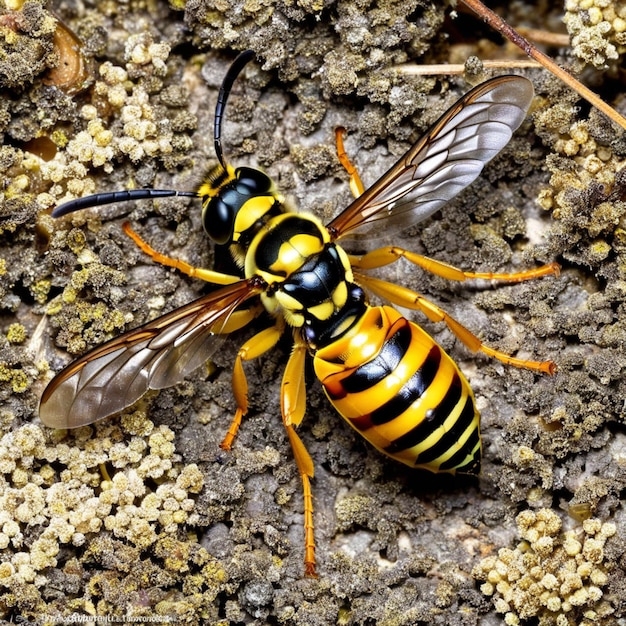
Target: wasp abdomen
396	386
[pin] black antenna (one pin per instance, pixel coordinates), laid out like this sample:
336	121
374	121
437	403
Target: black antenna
110	197
233	71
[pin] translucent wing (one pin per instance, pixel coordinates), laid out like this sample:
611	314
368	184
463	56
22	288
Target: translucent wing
159	354
443	162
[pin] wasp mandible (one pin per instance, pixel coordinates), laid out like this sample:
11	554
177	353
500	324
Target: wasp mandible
384	374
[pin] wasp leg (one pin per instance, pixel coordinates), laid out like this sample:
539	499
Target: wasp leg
390	254
402	296
251	349
293	405
209	276
356	186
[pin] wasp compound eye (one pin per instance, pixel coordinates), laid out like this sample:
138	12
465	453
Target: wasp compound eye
218	217
254	181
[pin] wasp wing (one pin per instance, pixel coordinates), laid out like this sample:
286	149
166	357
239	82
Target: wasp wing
445	161
156	355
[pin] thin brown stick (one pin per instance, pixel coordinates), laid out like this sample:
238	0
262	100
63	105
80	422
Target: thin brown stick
413	69
498	24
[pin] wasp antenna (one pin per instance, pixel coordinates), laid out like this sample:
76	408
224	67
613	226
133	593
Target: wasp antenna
231	75
99	199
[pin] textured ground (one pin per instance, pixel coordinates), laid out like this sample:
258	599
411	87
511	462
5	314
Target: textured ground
216	537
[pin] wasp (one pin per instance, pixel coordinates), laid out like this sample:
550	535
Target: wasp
384	374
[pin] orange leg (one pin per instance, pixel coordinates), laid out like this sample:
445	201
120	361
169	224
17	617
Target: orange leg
253	348
390	254
356	186
402	296
293	404
195	272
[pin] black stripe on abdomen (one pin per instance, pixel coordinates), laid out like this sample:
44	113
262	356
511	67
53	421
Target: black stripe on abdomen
434	419
412	390
470	447
385	362
451	437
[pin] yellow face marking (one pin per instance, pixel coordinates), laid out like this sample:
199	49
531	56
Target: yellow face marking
251	212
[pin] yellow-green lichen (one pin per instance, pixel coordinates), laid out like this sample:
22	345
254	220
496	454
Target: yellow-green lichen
15	376
585	185
595	163
551	576
76	240
124	93
16	333
40	290
92	146
597	29
52	493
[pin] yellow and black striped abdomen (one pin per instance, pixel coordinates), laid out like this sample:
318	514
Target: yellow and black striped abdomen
395	385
